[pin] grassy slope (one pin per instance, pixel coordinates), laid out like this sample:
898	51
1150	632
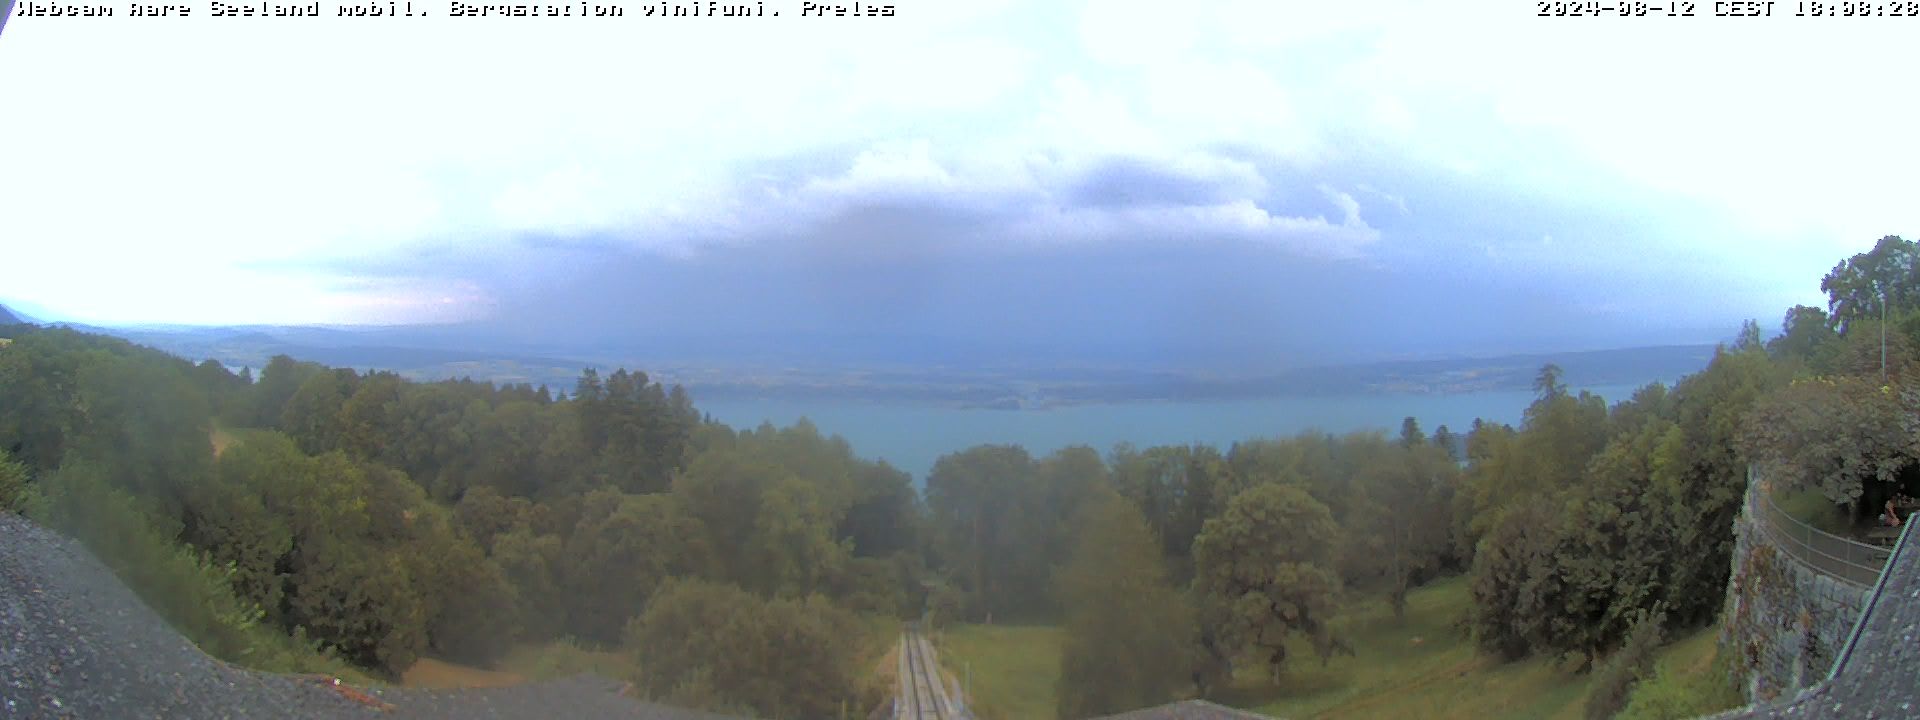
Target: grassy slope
1688	683
1422	669
877	661
565	658
1014	667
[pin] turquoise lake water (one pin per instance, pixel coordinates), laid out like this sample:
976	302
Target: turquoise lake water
912	436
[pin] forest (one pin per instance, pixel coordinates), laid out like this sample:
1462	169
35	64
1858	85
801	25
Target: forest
322	519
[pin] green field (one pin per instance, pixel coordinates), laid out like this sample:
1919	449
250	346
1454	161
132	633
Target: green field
1423	668
1013	667
566	658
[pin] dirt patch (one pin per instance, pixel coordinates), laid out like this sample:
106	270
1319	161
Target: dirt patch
1357	706
431	673
221	440
887	670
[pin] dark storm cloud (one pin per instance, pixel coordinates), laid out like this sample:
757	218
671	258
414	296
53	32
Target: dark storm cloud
887	274
1138	182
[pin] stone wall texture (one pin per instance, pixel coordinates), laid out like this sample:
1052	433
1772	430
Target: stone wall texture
1784	621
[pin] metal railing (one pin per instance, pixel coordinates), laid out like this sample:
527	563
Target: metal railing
1854	562
1901	548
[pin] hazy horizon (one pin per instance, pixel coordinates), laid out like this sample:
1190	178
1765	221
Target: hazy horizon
1268	184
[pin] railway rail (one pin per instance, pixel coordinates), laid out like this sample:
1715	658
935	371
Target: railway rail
922	696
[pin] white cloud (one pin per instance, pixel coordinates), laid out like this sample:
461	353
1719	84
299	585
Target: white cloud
1398	202
1238	220
1140	33
206	153
1349	207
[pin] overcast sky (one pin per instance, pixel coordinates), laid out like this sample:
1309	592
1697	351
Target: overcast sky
1451	176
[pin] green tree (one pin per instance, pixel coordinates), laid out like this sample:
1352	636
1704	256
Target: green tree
1749	337
635	433
975	499
312	416
1068	480
1178	488
717	647
1128	632
1263	573
239	516
625	549
1410	434
1865	350
37	385
1863	286
1494	479
1548	384
367	419
279	380
146	422
1618	537
793	549
533	565
506	446
1449	443
1806	337
1513	582
483	514
225	392
1842	436
472	607
884	516
1401	527
187	589
1548	454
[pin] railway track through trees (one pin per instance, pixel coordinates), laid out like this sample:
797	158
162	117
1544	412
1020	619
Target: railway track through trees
922	694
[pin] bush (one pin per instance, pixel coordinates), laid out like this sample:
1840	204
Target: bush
717	647
13	484
1670	695
191	592
1633	662
948	605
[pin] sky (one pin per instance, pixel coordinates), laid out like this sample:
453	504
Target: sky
1274	181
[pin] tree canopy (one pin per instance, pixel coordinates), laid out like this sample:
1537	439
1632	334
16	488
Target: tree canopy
358	517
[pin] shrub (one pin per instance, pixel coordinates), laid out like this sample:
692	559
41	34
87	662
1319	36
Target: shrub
1672	695
1633	662
191	592
720	648
13	484
948	605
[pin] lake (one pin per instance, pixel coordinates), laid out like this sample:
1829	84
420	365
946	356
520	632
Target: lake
912	436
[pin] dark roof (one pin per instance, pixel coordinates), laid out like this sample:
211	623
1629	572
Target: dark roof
1878	672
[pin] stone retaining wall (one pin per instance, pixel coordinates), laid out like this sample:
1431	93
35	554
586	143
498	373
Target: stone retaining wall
1784	621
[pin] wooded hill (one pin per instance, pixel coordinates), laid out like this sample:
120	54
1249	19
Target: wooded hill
359	518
